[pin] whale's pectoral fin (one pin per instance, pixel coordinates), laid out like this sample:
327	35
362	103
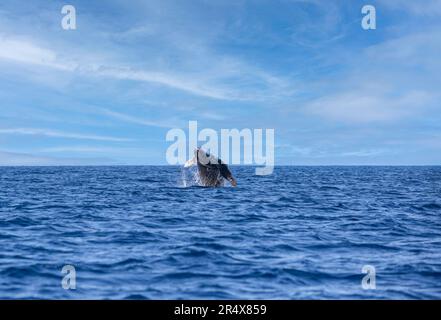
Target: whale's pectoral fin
190	163
232	181
226	173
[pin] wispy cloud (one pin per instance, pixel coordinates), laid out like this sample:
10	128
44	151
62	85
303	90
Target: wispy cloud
293	150
184	83
136	120
60	134
425	8
211	84
367	106
398	84
25	159
89	149
23	51
363	153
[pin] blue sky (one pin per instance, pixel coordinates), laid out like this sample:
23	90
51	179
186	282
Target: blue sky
108	92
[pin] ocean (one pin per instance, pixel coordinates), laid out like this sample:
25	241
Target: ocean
149	232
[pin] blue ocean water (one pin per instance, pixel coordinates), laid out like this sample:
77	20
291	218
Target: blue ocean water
142	232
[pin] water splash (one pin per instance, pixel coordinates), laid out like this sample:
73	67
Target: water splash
189	177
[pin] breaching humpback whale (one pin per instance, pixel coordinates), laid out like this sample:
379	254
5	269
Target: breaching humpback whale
212	171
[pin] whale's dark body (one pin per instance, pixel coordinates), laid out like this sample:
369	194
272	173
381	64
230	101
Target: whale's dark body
212	171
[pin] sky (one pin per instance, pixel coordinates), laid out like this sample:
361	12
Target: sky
109	91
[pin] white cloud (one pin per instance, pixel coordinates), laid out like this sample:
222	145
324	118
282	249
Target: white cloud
418	50
293	150
363	153
184	83
365	106
136	120
26	52
24	159
88	149
211	83
393	80
425	8
59	134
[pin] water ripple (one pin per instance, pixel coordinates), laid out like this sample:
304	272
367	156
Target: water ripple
143	233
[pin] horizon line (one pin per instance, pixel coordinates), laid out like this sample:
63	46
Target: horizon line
231	165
